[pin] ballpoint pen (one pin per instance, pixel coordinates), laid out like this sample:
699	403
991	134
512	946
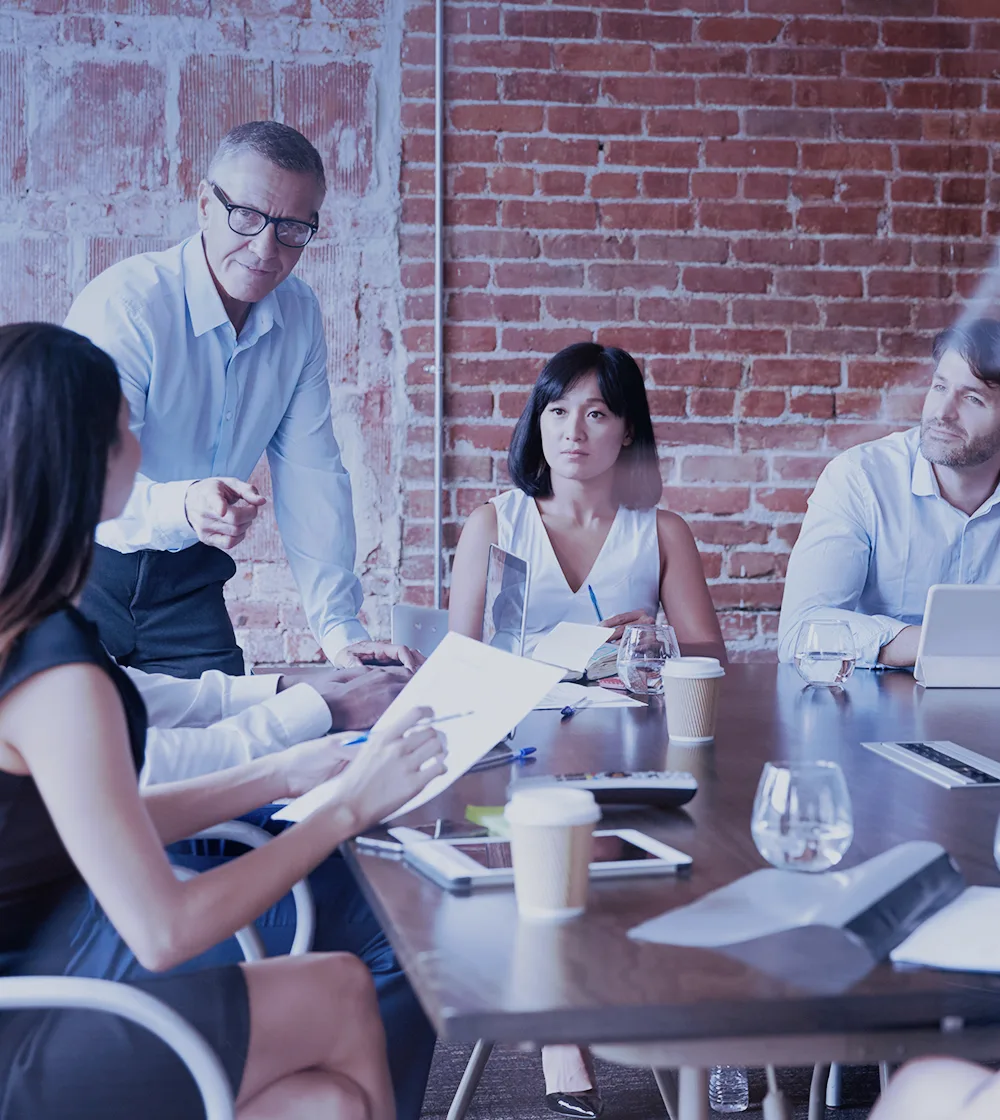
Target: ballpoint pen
572	709
593	599
515	756
432	721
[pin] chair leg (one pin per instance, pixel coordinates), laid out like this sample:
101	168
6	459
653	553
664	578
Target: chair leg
470	1080
833	1089
666	1082
692	1096
884	1073
818	1091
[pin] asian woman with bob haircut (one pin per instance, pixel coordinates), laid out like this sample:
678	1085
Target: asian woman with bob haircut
583	513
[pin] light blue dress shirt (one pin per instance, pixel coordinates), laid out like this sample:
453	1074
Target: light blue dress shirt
876	536
205	403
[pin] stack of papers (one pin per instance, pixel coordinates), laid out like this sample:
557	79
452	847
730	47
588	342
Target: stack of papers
570	644
570	695
962	936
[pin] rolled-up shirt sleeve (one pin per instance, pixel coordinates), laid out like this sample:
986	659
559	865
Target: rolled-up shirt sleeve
829	565
314	509
154	515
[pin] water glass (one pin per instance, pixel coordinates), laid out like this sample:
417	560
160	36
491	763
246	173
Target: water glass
825	652
802	819
641	653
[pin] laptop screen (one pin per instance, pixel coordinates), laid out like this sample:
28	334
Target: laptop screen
506	601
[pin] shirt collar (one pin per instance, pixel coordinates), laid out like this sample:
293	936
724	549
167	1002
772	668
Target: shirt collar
205	304
924	484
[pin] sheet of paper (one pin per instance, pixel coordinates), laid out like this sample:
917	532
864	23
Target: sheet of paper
573	694
570	644
497	689
962	936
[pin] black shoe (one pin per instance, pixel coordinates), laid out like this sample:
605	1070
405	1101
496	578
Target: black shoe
586	1106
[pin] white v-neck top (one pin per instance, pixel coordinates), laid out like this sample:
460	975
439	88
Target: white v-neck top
625	575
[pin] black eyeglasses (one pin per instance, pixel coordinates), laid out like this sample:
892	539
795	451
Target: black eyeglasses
249	222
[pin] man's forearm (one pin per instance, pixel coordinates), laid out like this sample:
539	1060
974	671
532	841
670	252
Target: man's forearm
901	651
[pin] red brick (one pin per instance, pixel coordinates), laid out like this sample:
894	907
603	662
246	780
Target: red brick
859	405
938	95
588	246
644	215
762	403
724	279
836	341
550	87
745	91
490	437
629	275
774	312
844	157
549	215
754	565
512	180
937	158
739	30
590	308
497	118
885	375
784	499
238	89
643	28
681	309
839	93
746	596
730	532
863	252
503	54
743	215
646	340
714	184
838	219
601	57
552	24
563	182
794	371
688	433
774	250
594	119
925	35
877	125
718	403
649	90
483	307
787	437
127	152
695	371
797	61
832	32
547	150
867	313
652	153
963	192
667	402
930	222
741	341
799	468
511	405
706	499
611	184
701	60
917	284
489	371
665	184
469	339
747	153
890	64
493	244
684	248
841	436
766	186
540	340
470	85
817	406
819	282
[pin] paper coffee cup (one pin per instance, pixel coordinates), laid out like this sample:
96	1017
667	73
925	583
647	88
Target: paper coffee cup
551	837
691	687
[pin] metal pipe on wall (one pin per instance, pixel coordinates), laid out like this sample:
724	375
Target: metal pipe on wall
438	295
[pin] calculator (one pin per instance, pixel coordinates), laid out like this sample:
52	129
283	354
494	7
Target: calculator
943	762
665	789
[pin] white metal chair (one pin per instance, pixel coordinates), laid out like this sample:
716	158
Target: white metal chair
420	628
22	992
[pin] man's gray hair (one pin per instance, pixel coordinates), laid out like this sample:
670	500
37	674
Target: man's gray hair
278	143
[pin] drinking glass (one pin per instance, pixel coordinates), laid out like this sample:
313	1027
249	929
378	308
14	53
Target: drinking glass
802	819
641	653
825	652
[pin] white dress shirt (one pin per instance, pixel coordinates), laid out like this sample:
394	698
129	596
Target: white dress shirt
207	403
876	536
217	721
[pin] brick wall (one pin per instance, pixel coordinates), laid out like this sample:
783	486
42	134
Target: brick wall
774	204
109	112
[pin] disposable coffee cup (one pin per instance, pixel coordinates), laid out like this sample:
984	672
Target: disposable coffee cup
551	838
691	687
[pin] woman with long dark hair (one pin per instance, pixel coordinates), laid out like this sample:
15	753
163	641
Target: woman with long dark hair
583	514
83	875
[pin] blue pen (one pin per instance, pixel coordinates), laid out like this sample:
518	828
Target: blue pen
593	599
514	756
434	720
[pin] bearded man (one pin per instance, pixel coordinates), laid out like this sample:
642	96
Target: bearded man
892	517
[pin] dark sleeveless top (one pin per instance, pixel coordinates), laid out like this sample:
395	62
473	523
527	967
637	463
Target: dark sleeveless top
36	872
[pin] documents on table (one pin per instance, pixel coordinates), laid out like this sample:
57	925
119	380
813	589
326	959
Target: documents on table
962	936
565	694
570	644
495	688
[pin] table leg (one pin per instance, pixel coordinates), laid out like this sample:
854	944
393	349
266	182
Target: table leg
666	1082
692	1096
817	1092
884	1073
470	1080
833	1086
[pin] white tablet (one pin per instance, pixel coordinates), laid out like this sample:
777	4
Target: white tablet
960	637
462	865
505	610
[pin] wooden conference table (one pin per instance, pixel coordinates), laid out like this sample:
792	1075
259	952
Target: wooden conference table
481	975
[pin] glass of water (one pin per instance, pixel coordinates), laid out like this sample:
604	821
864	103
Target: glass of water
802	818
641	653
825	652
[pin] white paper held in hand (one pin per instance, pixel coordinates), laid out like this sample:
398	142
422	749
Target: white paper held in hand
497	690
570	644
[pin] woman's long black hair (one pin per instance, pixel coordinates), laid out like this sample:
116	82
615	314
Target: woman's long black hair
638	484
59	402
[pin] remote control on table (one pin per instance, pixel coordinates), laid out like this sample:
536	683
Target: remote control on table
664	788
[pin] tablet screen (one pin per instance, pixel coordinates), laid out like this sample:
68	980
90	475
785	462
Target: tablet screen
607	849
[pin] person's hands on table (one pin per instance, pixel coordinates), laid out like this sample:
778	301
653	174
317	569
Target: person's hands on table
221	510
378	653
618	622
356	697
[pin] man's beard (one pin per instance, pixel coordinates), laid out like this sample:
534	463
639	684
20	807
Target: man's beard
971	452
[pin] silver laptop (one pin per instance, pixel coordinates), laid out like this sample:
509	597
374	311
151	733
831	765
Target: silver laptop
960	637
506	606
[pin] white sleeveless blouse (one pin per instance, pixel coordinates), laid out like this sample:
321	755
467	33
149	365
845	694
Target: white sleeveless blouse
625	575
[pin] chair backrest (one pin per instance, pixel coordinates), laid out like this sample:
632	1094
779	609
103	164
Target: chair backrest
420	628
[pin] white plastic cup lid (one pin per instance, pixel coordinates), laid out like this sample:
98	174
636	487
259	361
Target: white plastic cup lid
552	806
693	667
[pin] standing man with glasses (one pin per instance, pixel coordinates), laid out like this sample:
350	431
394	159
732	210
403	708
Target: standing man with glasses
222	357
